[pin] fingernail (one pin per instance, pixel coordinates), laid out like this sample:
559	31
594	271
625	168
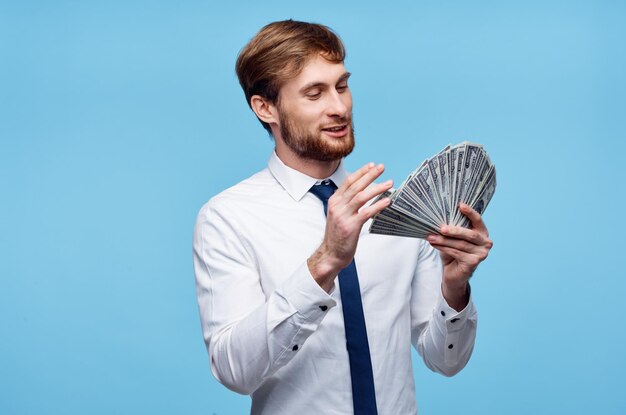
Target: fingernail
444	229
431	238
389	183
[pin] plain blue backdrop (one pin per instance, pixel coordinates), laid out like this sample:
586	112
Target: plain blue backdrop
119	119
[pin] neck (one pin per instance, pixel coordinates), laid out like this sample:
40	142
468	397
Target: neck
312	168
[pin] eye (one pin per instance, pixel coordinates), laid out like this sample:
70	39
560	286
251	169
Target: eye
342	87
313	94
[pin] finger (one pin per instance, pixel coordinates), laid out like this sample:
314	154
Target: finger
452	252
362	182
354	177
460	232
473	256
474	217
458	244
369	211
465	264
368	194
467	260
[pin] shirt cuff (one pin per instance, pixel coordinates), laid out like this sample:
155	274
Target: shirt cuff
448	319
305	294
310	303
453	324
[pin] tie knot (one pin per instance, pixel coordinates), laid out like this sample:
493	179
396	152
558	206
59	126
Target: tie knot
324	190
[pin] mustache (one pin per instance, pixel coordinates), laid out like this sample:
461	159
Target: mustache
338	121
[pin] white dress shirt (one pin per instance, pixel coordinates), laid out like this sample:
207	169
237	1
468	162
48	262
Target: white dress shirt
271	331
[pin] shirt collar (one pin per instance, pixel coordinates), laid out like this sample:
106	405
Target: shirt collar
297	184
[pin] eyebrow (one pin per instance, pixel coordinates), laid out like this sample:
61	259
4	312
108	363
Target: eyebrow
314	84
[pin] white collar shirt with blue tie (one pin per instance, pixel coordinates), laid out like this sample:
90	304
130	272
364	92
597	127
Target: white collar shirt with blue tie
272	332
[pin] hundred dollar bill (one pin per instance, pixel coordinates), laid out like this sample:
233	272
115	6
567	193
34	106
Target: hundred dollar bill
443	159
468	167
429	197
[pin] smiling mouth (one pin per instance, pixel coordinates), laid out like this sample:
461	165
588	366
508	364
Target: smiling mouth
335	129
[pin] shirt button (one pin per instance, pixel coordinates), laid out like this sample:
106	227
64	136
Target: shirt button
323	307
295	348
454	320
443	313
450	346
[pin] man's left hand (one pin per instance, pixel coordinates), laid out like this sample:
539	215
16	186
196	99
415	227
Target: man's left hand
461	251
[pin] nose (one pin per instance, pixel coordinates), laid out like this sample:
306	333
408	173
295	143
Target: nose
339	104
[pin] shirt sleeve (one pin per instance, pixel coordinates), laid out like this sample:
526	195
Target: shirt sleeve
249	334
443	337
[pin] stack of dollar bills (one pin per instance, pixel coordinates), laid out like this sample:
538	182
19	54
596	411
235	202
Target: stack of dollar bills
430	196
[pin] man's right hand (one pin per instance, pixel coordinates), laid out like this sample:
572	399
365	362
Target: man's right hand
346	216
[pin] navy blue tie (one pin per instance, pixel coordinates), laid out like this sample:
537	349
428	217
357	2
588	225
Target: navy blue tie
363	393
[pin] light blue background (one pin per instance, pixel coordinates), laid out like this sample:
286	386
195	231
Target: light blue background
118	120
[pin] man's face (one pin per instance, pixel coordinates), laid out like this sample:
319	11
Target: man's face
315	112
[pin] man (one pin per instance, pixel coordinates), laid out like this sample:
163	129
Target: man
278	322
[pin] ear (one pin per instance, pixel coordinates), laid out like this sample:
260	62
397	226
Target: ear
265	110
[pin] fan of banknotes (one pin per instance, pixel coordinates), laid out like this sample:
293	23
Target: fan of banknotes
430	196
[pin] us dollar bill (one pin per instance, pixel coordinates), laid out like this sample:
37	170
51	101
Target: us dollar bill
430	195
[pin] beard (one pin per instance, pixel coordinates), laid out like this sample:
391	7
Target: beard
313	145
